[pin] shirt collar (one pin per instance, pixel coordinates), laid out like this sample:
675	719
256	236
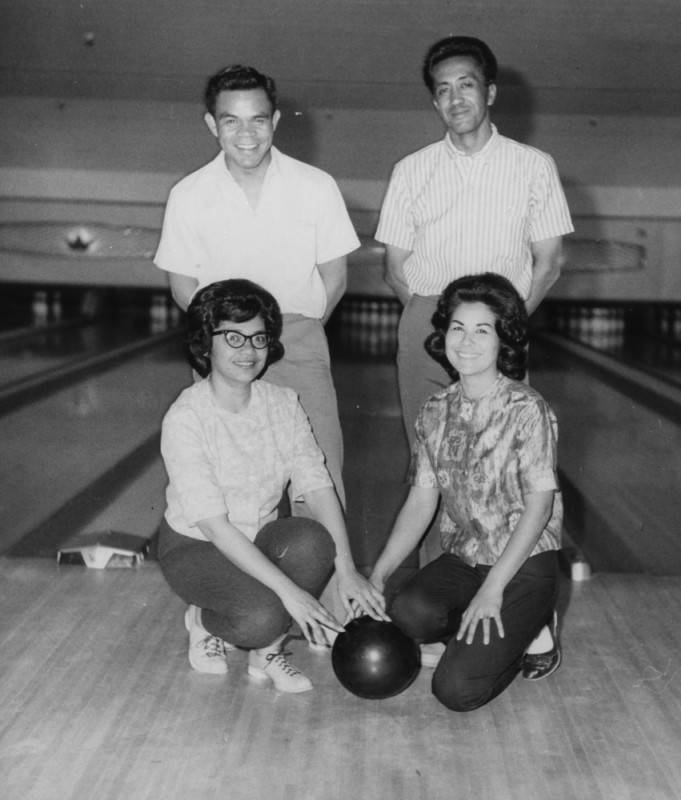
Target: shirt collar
253	410
483	155
273	169
500	381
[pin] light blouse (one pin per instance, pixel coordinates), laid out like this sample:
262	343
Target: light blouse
237	464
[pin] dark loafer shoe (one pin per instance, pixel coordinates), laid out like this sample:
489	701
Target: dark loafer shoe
540	665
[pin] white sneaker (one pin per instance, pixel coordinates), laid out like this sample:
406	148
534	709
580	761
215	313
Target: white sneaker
431	654
275	667
207	653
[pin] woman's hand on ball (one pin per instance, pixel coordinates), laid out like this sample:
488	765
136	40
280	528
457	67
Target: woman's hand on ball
310	614
359	596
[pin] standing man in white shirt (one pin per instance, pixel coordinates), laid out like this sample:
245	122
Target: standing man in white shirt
253	212
473	202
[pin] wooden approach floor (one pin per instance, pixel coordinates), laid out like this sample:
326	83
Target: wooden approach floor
98	701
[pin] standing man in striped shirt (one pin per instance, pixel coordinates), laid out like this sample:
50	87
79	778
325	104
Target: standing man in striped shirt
473	202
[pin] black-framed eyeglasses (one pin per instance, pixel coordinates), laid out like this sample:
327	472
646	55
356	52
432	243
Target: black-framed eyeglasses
236	339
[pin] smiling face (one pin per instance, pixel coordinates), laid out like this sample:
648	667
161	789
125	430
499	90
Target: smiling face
472	346
235	368
462	100
244	125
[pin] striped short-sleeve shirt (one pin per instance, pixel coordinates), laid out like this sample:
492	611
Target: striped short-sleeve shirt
464	214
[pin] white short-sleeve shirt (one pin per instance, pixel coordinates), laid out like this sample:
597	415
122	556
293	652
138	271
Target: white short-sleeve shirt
463	214
211	233
237	464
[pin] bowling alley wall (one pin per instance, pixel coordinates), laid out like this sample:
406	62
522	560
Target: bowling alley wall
86	161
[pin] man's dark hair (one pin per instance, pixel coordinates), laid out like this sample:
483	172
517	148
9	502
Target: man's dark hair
453	46
238	78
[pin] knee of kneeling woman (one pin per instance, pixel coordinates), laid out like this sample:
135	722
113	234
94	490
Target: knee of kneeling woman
321	540
310	539
261	627
456	692
412	615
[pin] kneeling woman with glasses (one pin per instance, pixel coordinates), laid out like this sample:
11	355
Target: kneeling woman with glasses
232	444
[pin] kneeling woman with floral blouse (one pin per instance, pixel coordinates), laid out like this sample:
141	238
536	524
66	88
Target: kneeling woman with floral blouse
486	448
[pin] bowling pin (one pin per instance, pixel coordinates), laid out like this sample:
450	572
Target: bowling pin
677	324
616	332
600	327
174	315
158	314
395	314
153	314
56	308
581	323
373	325
91	303
663	322
587	332
39	308
357	325
573	328
347	325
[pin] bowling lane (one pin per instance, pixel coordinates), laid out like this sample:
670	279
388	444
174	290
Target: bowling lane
136	508
375	466
59	451
658	358
376	453
643	335
38	351
619	457
615	391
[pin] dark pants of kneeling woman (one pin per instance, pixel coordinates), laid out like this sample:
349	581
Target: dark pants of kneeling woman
429	606
235	606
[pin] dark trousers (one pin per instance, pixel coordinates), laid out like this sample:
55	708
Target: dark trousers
429	606
235	606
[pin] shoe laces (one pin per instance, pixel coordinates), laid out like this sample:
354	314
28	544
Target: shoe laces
213	646
279	660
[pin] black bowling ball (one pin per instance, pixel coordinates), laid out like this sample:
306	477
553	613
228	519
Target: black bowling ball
374	659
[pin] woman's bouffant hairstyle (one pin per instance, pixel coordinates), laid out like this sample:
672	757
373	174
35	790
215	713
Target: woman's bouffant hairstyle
234	300
499	295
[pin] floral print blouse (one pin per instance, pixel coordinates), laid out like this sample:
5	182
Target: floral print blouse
485	455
